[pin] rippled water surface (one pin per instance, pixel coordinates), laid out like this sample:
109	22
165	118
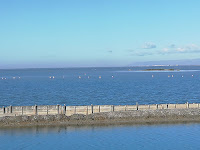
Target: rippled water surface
165	137
98	86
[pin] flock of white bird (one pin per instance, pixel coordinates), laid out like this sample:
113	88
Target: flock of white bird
53	77
4	78
173	76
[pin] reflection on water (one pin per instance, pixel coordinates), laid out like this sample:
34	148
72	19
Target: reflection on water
110	137
100	86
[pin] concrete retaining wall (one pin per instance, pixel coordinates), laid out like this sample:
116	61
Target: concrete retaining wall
85	110
131	107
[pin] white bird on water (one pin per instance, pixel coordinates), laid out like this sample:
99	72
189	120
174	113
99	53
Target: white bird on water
79	77
99	77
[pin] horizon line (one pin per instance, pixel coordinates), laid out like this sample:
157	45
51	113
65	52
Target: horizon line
24	68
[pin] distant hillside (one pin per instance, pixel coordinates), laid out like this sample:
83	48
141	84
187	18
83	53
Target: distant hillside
168	62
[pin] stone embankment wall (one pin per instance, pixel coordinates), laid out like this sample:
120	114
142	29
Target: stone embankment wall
85	110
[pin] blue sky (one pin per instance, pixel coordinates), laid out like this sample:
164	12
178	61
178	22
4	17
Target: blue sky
81	33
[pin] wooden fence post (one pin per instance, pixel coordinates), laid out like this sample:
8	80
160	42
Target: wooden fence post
92	108
36	111
64	109
10	109
187	105
58	109
113	108
74	109
61	109
4	110
22	110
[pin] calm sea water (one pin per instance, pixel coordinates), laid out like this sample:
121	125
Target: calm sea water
116	86
159	137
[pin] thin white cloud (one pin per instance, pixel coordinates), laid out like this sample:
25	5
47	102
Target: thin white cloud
192	48
142	54
172	46
149	45
171	49
130	50
180	49
165	50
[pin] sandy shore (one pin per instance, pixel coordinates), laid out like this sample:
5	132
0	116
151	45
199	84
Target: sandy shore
163	116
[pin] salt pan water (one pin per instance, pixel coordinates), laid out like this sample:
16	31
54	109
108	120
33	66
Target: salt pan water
155	137
83	86
100	86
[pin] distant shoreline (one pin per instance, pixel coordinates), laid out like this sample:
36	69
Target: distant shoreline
136	117
161	69
128	66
